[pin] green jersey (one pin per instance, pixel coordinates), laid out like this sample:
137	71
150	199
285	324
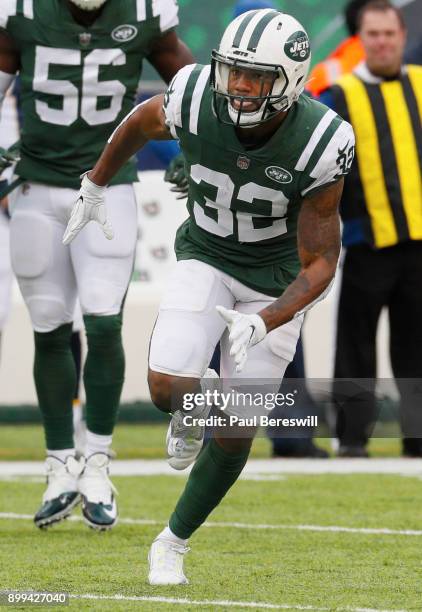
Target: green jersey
244	203
77	82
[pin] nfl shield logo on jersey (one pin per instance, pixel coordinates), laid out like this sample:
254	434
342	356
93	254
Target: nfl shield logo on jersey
243	162
84	39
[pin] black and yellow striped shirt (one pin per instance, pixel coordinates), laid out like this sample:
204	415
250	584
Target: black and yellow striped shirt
382	199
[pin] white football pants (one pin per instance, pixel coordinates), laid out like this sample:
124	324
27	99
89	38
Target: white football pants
188	326
93	268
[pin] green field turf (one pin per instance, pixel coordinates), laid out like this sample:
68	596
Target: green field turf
26	443
288	567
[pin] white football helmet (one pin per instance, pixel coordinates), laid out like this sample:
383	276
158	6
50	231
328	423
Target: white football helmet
264	40
89	5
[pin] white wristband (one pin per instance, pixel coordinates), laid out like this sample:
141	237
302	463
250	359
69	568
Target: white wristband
91	188
260	328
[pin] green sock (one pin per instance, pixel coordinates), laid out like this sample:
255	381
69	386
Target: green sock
103	372
214	472
55	380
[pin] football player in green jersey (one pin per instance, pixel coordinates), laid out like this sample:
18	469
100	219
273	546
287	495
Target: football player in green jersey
80	62
261	244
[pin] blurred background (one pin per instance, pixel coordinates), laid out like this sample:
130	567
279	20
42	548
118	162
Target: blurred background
201	26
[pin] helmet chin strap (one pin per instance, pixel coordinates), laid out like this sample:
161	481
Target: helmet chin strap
253	119
88	5
245	120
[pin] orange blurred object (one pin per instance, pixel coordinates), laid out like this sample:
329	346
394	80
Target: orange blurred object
342	60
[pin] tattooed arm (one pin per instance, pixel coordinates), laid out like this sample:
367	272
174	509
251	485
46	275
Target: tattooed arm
318	237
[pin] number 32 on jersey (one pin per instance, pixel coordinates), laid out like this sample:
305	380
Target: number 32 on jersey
225	204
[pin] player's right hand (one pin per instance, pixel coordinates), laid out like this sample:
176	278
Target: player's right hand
176	174
89	206
245	330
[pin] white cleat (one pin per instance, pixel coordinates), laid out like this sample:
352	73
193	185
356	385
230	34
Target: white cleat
165	560
99	508
62	494
184	442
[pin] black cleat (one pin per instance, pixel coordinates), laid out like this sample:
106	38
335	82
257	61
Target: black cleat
352	451
300	449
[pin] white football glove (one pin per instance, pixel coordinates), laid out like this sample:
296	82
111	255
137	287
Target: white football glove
89	207
245	330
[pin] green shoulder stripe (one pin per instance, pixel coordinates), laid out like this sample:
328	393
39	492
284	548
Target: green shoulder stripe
322	144
25	8
322	127
165	10
192	98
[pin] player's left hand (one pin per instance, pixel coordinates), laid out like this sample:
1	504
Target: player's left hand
9	156
89	207
246	330
176	174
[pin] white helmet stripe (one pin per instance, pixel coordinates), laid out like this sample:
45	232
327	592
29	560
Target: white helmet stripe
259	29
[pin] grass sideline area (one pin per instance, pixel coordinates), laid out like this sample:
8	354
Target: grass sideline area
254	550
129	412
135	441
288	568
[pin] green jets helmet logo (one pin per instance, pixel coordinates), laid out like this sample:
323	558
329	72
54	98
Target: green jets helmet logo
124	33
297	47
279	175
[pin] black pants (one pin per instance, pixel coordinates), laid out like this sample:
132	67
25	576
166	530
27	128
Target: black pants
373	279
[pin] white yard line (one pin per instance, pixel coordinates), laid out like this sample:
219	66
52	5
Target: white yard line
224	603
22	479
205	602
253	526
256	477
254	467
